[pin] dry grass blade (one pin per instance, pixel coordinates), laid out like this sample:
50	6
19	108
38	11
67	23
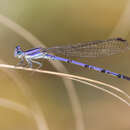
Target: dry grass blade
123	26
105	90
78	78
15	106
34	108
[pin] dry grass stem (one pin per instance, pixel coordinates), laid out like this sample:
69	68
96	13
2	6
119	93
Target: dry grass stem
105	90
78	78
15	106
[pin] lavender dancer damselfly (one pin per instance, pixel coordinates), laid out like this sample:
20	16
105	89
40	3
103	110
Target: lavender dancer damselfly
87	49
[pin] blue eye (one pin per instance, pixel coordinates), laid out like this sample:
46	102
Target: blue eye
19	52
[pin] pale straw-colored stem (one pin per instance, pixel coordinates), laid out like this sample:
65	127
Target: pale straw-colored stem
122	27
15	106
67	76
64	75
105	90
34	108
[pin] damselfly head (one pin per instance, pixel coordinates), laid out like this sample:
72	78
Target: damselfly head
18	52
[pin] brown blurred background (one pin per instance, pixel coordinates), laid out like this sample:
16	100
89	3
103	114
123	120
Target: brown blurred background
61	22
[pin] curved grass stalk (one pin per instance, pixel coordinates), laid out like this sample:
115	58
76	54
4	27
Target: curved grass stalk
110	86
67	76
105	90
24	110
35	109
16	107
123	26
75	103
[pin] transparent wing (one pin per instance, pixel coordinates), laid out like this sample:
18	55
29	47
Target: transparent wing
92	48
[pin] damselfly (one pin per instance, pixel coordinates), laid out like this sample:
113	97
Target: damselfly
86	49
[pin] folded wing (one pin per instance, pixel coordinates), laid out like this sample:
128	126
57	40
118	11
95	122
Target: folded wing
92	48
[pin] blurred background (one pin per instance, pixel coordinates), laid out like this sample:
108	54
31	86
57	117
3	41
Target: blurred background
45	102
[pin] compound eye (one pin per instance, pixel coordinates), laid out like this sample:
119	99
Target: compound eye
19	52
